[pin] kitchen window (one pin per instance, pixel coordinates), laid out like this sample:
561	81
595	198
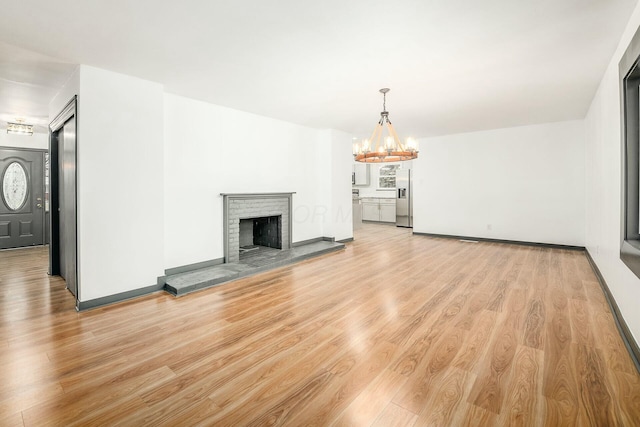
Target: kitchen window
387	177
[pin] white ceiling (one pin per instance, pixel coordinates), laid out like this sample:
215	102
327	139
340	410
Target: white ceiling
28	80
453	66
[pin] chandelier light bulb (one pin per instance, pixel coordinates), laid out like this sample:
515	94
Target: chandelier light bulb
389	143
412	145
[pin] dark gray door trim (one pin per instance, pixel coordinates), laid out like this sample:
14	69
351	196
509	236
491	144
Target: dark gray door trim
66	113
70	110
37	150
629	79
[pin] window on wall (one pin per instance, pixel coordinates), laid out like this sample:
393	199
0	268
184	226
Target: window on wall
387	177
629	71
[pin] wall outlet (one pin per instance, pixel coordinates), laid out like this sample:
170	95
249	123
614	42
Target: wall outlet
488	226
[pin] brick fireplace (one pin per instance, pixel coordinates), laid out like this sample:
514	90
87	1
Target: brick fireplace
267	211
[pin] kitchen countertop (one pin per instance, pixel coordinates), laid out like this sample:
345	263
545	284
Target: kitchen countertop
377	198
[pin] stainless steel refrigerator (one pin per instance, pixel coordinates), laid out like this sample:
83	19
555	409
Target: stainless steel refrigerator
404	198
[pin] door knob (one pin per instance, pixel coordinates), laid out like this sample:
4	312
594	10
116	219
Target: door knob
39	205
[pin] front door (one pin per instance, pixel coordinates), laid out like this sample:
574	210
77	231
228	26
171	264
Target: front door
21	198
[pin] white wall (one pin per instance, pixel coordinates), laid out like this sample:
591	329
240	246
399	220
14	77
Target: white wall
604	157
120	183
38	141
323	151
70	89
151	167
525	184
339	223
211	149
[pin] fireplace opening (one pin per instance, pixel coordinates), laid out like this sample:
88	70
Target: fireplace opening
260	232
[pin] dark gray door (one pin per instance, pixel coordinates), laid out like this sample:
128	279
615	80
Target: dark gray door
67	202
63	206
21	198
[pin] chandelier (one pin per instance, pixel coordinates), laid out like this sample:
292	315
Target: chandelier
374	150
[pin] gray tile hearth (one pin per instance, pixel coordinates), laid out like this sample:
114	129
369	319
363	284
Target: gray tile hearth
252	262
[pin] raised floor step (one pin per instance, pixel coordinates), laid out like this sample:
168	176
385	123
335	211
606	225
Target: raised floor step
252	262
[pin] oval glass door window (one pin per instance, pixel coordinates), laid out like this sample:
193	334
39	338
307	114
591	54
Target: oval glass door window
15	186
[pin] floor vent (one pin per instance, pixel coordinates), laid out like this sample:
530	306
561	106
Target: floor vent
468	241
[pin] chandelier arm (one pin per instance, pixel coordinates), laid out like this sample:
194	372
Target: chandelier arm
379	142
378	136
392	131
373	140
374	137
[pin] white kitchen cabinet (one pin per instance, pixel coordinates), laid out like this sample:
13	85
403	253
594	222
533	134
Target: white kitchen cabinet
378	209
360	174
387	210
370	210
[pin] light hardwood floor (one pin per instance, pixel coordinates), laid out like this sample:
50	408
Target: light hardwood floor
395	330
